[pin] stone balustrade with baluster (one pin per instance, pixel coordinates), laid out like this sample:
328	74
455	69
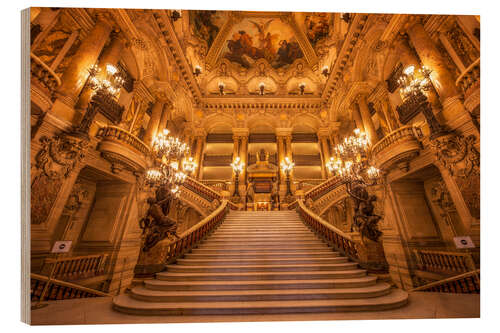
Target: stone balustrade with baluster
397	148
469	80
59	290
466	283
123	149
45	76
444	261
73	268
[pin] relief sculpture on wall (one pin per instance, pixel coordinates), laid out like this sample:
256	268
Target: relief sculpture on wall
461	158
54	162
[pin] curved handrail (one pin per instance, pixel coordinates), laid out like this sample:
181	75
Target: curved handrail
193	235
202	190
46	68
332	235
323	188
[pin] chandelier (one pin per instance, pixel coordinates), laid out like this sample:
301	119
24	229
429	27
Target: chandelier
167	169
109	82
351	165
413	82
351	161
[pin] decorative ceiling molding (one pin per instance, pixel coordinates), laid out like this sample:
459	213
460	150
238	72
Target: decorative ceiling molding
218	44
352	38
264	103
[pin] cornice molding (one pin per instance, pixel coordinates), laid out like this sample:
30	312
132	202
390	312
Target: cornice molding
173	46
352	38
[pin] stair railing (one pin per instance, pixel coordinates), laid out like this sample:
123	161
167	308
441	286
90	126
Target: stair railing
72	268
58	290
444	261
466	283
191	237
333	236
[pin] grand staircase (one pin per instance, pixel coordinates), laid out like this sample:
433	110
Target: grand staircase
260	263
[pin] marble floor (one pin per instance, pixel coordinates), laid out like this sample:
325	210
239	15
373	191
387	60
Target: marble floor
99	311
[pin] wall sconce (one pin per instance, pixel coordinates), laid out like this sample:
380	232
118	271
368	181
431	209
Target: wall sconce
176	15
302	87
325	71
261	88
197	71
221	88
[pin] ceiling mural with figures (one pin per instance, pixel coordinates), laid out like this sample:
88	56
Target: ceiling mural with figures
206	24
258	38
317	26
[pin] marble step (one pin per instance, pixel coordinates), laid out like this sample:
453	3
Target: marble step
261	268
260	262
127	304
263	246
270	250
251	276
261	255
142	293
261	285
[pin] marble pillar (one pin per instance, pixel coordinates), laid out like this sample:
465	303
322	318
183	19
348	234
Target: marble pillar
371	134
75	76
153	123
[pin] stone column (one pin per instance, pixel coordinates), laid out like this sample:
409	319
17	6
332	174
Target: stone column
244	159
367	120
76	74
199	142
432	59
153	123
357	117
164	119
111	55
323	135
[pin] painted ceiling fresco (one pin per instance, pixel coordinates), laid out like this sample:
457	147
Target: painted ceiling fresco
317	26
257	38
207	23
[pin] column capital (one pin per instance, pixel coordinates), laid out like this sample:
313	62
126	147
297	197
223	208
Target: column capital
241	132
324	132
283	131
199	133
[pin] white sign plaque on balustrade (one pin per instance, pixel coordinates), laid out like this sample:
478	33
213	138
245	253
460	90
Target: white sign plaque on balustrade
61	246
463	242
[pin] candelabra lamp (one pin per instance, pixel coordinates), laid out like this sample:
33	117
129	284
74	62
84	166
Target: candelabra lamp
287	167
106	86
414	87
237	167
351	166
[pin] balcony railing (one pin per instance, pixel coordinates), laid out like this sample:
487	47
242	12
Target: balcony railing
469	80
202	190
73	268
333	236
44	75
467	283
217	185
58	290
397	148
188	239
122	148
320	190
444	261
